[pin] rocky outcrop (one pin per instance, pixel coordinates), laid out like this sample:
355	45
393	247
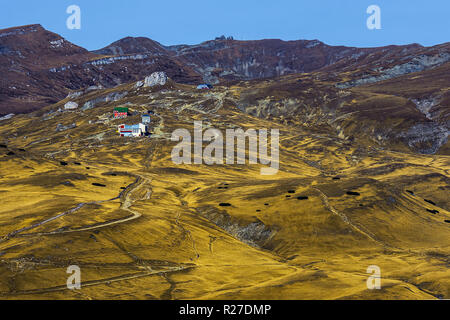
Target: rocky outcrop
426	138
115	96
8	116
416	64
138	84
74	95
425	106
254	233
71	105
60	127
156	79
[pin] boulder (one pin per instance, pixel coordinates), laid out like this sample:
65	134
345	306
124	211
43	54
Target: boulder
138	84
115	96
71	105
93	88
60	127
8	116
156	78
74	95
88	105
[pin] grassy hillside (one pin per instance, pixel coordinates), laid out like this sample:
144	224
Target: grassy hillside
141	227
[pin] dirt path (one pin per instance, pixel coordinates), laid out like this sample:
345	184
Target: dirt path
126	204
98	282
345	218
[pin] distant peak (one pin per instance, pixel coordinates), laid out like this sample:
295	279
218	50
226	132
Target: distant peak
21	30
221	38
25	27
131	45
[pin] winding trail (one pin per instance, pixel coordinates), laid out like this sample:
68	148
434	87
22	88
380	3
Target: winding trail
344	218
99	282
126	204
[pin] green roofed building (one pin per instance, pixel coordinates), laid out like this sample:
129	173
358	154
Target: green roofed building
120	112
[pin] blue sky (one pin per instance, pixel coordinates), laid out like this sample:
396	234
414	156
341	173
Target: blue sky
335	22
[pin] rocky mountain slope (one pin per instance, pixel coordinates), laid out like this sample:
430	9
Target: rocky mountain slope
388	114
40	67
27	57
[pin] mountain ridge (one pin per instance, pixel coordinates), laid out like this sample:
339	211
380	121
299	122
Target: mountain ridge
41	67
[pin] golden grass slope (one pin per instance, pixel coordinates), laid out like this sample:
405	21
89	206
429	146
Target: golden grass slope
156	230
